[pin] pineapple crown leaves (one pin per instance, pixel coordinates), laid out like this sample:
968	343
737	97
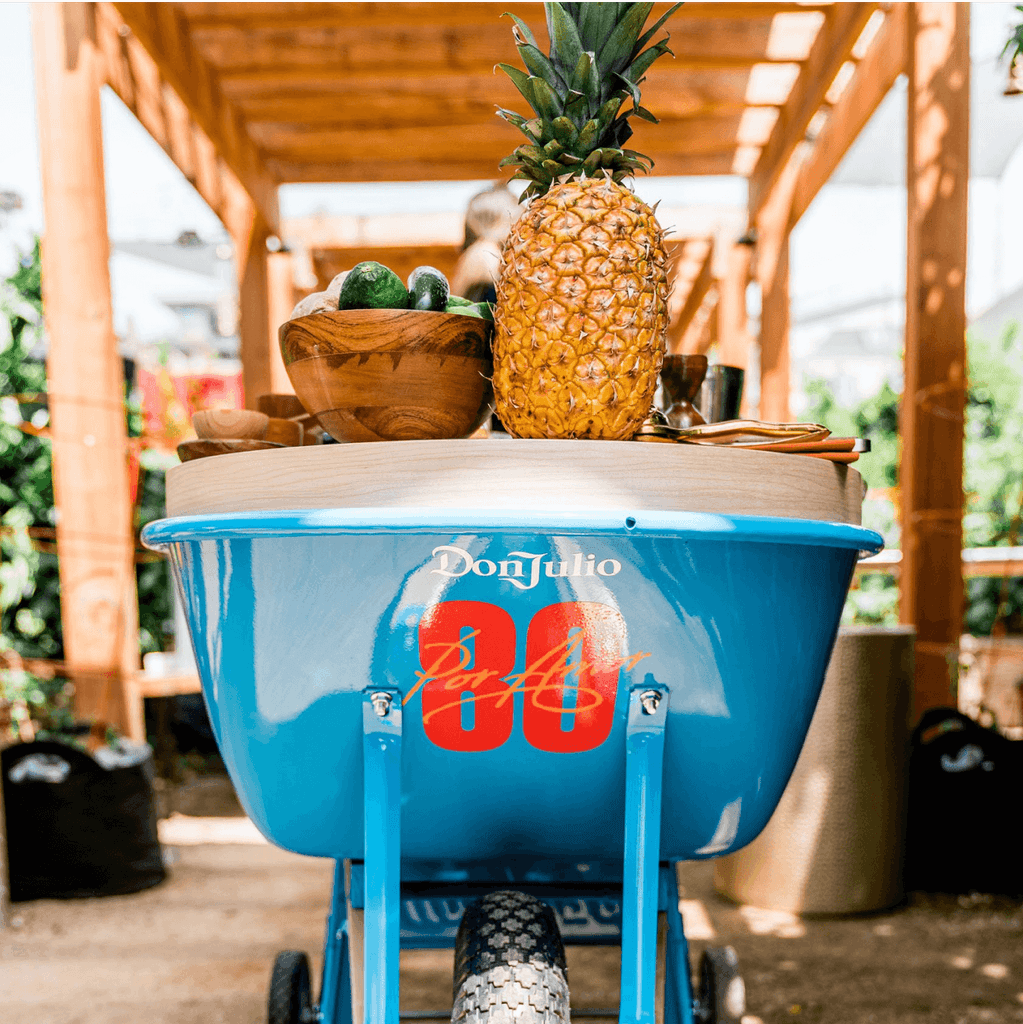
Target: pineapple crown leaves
597	60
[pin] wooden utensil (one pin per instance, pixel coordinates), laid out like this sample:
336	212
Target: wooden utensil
283	407
188	451
284	431
230	424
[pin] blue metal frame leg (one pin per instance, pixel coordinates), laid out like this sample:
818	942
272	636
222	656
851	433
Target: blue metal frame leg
381	736
336	986
644	758
678	988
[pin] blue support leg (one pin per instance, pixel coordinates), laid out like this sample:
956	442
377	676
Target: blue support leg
336	987
678	988
381	736
644	757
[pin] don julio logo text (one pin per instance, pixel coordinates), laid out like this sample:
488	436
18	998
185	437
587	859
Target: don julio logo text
521	569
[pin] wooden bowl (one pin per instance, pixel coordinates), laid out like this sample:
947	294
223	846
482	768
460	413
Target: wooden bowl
230	424
391	374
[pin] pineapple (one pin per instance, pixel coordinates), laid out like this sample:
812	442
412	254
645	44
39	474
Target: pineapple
582	299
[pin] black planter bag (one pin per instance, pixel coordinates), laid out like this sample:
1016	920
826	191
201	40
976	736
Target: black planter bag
93	833
965	797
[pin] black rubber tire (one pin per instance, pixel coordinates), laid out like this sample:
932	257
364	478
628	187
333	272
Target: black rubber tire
722	997
510	963
291	998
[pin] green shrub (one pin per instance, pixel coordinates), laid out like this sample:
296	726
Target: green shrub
992	480
29	579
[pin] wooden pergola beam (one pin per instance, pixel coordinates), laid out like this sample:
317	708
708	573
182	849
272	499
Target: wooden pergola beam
280	301
163	32
698	289
831	49
773	225
732	332
134	76
702	333
85	379
882	64
932	411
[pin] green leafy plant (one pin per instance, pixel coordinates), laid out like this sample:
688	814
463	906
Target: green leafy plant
1013	48
992	482
29	578
994	476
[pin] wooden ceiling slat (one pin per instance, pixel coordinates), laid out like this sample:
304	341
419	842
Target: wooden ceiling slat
490	141
371	110
441	48
403	91
409	168
269	15
452	100
662	85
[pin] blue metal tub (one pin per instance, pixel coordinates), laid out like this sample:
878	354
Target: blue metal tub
294	615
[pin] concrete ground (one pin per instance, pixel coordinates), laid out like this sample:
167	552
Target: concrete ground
198	949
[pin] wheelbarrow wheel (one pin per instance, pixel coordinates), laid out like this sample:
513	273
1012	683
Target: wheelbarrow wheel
291	1000
722	998
509	963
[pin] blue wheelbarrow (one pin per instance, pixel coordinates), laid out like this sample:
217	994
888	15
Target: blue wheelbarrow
506	727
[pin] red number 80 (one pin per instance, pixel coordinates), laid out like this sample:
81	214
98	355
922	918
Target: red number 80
467	652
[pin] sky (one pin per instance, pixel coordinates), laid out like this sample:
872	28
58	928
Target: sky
849	247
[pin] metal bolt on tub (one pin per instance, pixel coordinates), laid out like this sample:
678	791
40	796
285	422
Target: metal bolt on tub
650	699
381	703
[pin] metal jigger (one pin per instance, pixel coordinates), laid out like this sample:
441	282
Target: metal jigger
721	393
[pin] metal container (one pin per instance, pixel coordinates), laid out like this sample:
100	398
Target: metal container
721	393
513	640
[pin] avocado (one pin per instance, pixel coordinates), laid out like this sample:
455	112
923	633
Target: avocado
370	285
428	289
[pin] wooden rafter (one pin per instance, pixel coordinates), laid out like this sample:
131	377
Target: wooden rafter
692	279
702	332
132	73
832	47
163	32
882	64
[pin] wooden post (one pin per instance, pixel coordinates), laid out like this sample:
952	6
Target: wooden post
95	539
733	332
932	413
773	224
281	301
253	307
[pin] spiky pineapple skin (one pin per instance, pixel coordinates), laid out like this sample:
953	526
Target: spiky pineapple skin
581	315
